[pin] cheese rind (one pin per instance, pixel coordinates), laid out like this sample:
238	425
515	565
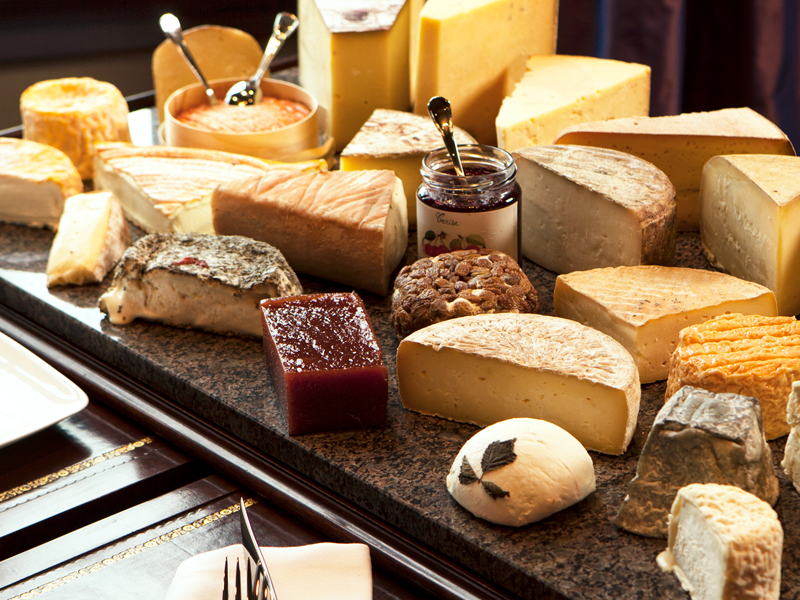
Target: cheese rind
791	455
645	307
488	368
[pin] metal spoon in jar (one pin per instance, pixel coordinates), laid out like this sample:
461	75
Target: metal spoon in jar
172	29
439	110
245	93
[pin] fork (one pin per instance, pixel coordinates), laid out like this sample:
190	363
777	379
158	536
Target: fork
253	590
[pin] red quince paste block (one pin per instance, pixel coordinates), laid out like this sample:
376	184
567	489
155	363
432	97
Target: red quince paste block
325	362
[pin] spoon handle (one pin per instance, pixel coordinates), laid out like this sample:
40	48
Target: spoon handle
172	29
439	110
284	26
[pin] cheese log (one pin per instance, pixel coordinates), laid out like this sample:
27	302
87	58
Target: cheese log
353	57
724	543
209	282
559	91
621	208
750	222
791	455
73	114
35	179
488	368
520	471
473	52
680	145
345	226
92	235
744	354
644	308
397	141
698	437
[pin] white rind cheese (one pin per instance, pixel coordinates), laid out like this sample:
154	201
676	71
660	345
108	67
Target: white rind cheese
791	455
488	368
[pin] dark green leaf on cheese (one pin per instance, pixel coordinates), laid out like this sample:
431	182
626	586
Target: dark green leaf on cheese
495	491
498	454
467	474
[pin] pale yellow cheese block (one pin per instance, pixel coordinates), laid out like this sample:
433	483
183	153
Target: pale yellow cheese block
680	145
645	307
750	221
559	91
473	52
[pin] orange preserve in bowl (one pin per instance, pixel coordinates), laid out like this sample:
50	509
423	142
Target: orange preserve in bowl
268	115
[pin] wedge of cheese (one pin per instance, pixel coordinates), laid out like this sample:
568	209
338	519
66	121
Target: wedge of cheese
559	91
397	141
473	52
680	145
35	179
488	368
92	235
750	221
644	308
621	208
345	226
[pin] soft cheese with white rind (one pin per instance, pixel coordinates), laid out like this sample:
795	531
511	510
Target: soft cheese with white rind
645	307
724	544
621	208
791	455
520	471
488	368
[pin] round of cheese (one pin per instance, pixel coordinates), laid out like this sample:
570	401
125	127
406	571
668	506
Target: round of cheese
72	114
520	471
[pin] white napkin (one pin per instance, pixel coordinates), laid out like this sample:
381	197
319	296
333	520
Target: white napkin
315	572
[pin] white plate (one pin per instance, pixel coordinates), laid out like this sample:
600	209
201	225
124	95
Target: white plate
33	395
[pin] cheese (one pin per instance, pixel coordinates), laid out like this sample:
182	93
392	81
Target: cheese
750	222
92	235
724	544
35	179
397	141
353	57
559	91
644	308
621	208
698	437
680	145
488	368
791	455
520	471
73	114
473	52
745	354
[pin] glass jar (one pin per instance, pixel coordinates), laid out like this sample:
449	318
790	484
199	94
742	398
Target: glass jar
479	210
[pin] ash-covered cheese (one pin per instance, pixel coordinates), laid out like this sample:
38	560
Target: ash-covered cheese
791	455
520	471
698	437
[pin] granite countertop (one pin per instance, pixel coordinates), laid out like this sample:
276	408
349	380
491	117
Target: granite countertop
396	472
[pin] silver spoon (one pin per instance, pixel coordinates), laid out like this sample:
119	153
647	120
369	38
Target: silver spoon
244	93
439	110
172	29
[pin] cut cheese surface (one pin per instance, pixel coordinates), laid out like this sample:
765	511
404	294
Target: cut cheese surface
488	368
473	52
645	307
681	145
621	208
750	221
559	91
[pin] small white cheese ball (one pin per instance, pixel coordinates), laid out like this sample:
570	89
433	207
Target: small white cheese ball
520	471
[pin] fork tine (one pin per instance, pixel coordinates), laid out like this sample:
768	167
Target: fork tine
225	581
251	594
238	587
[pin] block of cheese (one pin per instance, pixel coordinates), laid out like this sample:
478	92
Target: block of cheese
644	308
473	52
397	141
559	91
744	354
487	368
345	226
698	437
35	179
724	544
220	52
621	208
520	471
680	145
154	183
353	57
92	235
73	114
791	455
750	221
